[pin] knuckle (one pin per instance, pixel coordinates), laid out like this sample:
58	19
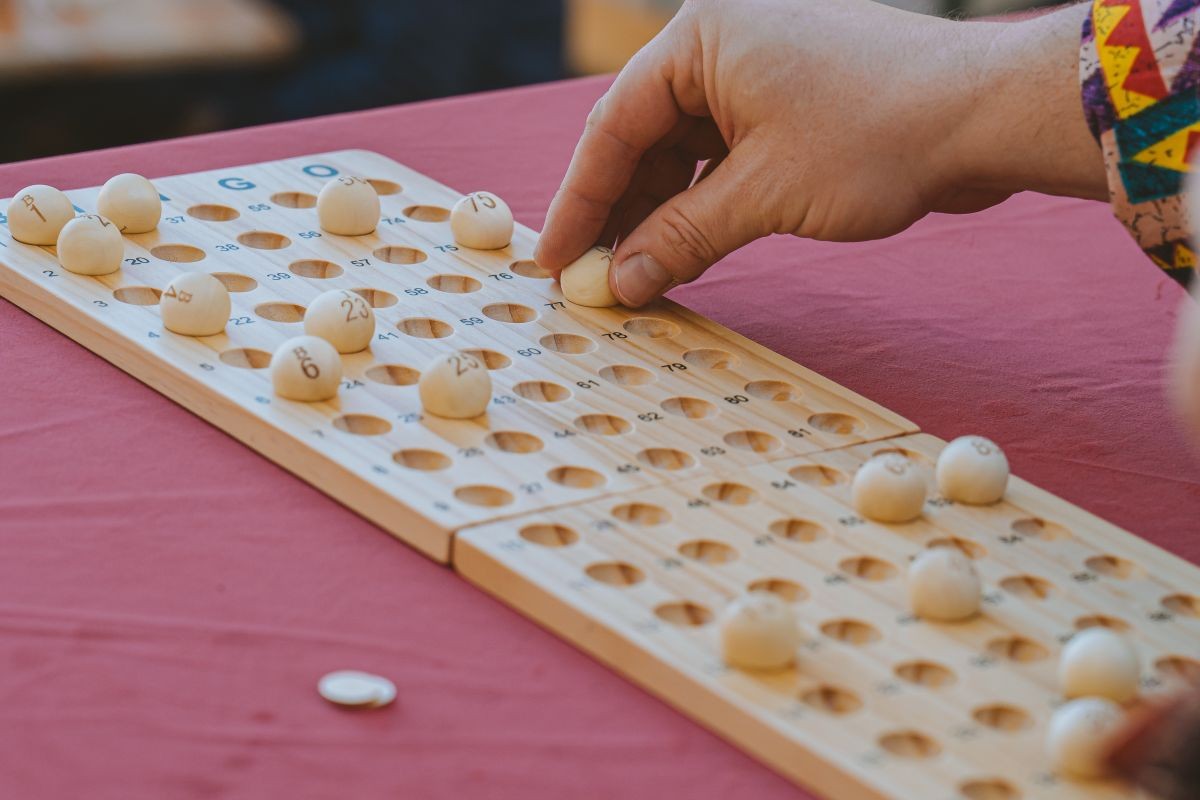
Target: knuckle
685	237
596	114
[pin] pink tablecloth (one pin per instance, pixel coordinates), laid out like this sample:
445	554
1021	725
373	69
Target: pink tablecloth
168	598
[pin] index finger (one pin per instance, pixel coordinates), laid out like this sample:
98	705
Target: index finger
638	110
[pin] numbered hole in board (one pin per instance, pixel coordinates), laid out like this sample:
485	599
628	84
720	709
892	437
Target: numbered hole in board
753	441
294	199
454	284
483	495
929	674
666	458
689	407
1030	587
1002	717
684	613
514	442
177	253
970	549
362	424
427	213
542	391
850	631
911	455
627	375
910	744
383	188
425	328
831	699
1114	567
836	423
1037	528
393	375
1179	668
264	240
818	475
710	358
137	295
235	282
1101	621
509	312
730	493
246	358
569	344
988	789
490	358
399	254
1185	605
376	298
798	530
549	535
418	458
773	391
787	590
211	212
1017	648
868	568
576	477
280	312
644	515
603	425
315	268
615	573
527	269
708	551
651	328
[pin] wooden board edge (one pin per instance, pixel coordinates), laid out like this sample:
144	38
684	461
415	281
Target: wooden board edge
323	474
679	691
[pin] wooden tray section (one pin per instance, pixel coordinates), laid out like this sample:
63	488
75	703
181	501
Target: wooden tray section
882	705
587	401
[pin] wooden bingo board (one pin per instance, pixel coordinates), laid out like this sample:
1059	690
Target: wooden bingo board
883	705
587	402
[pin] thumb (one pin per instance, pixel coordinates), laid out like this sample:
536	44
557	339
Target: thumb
686	235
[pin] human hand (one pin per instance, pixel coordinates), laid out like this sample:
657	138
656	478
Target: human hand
836	120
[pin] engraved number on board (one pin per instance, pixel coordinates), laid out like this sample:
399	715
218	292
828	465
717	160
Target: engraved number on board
628	469
49	273
590	383
383	337
851	521
360	262
138	260
241	321
616	335
712	451
411	418
471	321
227	248
174	220
737	399
783	484
279	276
259	207
674	367
799	433
530	488
529	351
100	303
554	306
208	367
309	234
500	276
503	400
650	416
446	248
393	220
416	291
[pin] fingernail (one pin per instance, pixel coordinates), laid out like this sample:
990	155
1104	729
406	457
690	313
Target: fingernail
639	279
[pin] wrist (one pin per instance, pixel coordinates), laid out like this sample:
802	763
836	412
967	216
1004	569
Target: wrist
1024	126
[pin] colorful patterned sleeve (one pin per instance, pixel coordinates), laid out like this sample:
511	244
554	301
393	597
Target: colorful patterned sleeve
1140	68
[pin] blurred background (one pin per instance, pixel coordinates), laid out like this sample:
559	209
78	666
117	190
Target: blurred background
82	74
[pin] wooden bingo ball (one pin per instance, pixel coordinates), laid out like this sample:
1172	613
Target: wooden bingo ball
342	318
1079	734
972	470
1097	662
348	206
37	214
195	304
943	585
585	280
758	631
481	221
131	202
456	386
306	368
90	245
888	488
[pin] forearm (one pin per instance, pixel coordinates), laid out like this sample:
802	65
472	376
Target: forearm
1025	128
